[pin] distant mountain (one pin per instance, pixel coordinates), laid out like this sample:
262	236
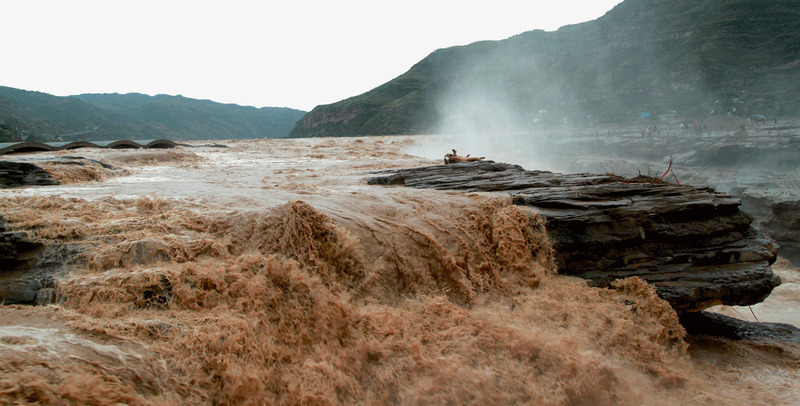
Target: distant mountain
657	56
42	117
178	117
26	115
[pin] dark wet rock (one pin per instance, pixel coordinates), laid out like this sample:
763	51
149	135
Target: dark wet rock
33	281
779	217
215	145
718	325
15	247
26	171
80	161
19	291
16	174
694	245
31	271
784	226
28	269
762	169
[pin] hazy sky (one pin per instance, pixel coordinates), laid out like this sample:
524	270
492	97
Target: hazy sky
288	53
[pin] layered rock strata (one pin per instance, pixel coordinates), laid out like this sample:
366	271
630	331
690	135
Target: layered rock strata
694	245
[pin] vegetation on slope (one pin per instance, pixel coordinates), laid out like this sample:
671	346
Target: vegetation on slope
35	116
177	116
656	56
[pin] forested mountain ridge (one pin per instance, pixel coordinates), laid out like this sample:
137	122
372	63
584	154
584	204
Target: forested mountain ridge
177	116
36	116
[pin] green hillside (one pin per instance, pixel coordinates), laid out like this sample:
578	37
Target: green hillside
178	117
658	56
35	116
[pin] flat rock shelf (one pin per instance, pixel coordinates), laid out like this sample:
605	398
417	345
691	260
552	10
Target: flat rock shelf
694	245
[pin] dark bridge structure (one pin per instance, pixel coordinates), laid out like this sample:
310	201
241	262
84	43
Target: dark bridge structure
15	147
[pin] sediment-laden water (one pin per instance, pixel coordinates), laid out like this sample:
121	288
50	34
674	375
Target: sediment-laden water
269	273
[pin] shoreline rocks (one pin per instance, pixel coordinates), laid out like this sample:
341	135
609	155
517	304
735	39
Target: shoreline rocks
24	277
16	174
783	224
762	170
694	245
718	325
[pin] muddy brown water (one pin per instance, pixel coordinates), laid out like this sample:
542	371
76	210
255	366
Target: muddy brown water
269	273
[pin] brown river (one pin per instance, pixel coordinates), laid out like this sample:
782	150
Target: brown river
269	273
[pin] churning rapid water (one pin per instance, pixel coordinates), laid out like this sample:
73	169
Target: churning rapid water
269	273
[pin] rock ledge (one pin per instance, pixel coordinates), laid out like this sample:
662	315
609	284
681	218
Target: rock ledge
694	245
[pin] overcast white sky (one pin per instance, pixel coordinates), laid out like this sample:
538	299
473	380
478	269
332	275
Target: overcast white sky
289	53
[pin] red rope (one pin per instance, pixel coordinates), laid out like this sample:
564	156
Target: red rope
751	311
668	169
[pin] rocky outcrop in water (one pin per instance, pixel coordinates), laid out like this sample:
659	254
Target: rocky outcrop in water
44	171
15	174
784	226
762	169
21	282
694	245
718	325
13	246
